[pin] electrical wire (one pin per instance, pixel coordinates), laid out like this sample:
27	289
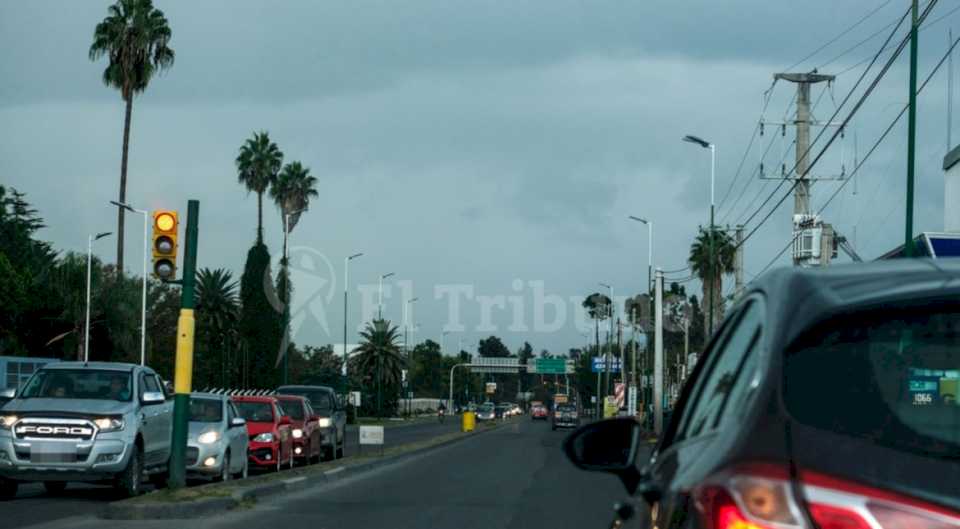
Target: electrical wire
838	37
876	144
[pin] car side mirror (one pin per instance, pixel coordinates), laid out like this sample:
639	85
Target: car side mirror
8	393
607	446
153	397
285	420
236	422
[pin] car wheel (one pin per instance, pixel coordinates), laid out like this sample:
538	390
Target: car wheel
8	488
55	487
129	482
225	474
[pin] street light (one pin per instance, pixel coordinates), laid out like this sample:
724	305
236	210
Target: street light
611	310
286	288
143	295
442	335
346	275
406	325
649	224
86	329
713	166
380	296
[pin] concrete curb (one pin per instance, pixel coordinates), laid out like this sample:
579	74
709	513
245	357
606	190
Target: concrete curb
141	510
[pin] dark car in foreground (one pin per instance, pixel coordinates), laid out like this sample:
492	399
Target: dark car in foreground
825	400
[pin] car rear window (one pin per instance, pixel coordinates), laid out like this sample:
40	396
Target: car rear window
255	411
566	407
886	376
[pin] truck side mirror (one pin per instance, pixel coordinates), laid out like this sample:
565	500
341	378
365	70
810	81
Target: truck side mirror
8	393
153	397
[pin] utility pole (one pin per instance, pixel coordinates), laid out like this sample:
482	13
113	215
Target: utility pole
658	355
802	216
738	261
908	249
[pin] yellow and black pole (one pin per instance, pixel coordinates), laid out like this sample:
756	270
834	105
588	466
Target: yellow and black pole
183	378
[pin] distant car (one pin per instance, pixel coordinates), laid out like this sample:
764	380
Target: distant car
502	411
486	412
539	413
217	439
333	416
271	437
565	416
307	436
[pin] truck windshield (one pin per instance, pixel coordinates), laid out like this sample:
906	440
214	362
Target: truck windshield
79	384
205	410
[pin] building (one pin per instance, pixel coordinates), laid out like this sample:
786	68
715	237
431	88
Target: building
943	244
15	370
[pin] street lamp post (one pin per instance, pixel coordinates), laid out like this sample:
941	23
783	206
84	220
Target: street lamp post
713	258
611	311
649	224
86	328
143	295
442	335
380	296
346	277
406	324
286	290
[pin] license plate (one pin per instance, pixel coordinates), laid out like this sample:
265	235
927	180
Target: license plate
52	452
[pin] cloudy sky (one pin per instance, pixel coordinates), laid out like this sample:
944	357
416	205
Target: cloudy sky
490	148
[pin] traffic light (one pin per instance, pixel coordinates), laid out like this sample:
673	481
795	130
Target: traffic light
165	223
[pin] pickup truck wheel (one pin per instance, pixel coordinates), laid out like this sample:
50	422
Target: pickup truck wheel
55	487
129	482
8	489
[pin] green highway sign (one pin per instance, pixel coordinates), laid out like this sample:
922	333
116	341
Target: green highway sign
551	366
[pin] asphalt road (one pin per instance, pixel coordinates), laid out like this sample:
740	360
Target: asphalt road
33	505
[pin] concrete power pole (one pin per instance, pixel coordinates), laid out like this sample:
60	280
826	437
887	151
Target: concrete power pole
802	217
658	355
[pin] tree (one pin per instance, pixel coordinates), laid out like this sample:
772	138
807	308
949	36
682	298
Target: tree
217	314
598	308
260	325
379	355
135	37
258	163
711	256
292	190
315	365
427	375
492	347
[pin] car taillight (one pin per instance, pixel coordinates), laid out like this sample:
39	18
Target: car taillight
764	500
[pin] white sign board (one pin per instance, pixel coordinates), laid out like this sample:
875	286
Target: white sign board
371	435
632	400
491	388
355	398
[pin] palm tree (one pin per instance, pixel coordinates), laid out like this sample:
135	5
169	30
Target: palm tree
711	271
258	163
598	308
135	37
379	353
293	189
218	311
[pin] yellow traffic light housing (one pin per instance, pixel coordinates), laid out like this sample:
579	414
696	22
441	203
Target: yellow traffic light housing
165	225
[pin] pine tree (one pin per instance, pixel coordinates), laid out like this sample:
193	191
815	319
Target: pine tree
260	320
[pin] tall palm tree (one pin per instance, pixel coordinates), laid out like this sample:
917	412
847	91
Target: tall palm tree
258	163
379	353
293	189
711	268
135	37
218	311
598	308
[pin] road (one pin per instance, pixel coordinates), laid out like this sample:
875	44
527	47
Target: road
513	477
33	505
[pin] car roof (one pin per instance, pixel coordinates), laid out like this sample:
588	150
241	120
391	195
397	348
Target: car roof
254	398
202	395
806	296
315	388
100	366
300	398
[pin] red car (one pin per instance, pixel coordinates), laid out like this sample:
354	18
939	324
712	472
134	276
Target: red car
539	412
305	424
270	431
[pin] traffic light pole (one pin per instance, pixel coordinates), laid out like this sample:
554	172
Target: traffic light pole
184	367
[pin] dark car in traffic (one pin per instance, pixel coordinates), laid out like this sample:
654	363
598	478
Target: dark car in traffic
565	416
823	401
332	416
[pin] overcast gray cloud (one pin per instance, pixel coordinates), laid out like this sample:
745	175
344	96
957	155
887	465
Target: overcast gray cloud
472	143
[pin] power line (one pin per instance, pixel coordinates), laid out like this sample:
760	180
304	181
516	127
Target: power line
876	144
768	95
838	37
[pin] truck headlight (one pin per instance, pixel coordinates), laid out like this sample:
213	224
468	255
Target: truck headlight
208	438
297	433
325	422
265	437
6	421
108	424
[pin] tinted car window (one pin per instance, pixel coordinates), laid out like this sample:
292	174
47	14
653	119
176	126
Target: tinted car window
206	410
292	408
890	377
255	411
79	384
723	380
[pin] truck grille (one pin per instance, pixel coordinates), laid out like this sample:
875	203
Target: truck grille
54	429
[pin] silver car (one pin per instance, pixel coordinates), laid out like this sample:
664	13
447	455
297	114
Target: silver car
217	442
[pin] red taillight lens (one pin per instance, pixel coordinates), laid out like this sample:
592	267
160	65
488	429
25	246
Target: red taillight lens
729	517
828	517
720	511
